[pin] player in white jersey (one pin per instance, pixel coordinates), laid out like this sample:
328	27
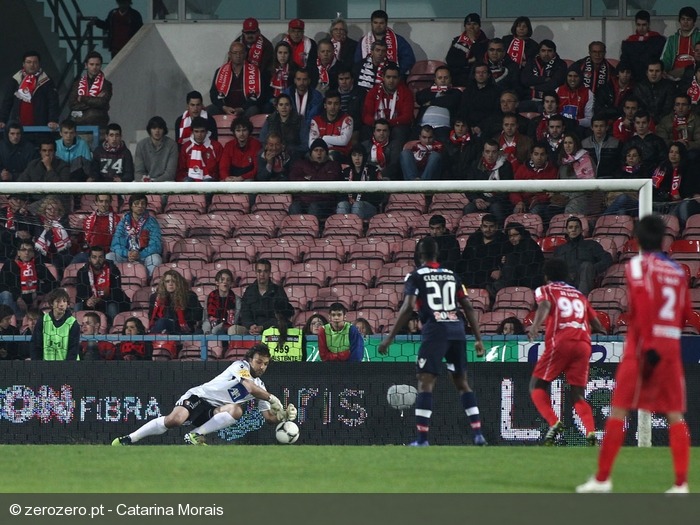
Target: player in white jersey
217	404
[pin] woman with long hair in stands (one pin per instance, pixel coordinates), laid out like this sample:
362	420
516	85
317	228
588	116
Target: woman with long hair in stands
287	123
520	46
676	187
174	308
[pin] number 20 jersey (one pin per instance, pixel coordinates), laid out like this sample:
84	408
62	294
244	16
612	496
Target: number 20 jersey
227	387
437	292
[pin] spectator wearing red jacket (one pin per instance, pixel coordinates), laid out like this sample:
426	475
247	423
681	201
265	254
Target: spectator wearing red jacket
391	100
239	161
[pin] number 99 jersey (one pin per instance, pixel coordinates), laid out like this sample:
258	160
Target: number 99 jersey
569	316
437	292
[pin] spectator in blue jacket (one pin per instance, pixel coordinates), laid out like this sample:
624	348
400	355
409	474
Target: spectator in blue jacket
138	236
75	152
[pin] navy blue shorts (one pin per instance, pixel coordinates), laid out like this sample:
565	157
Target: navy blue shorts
434	348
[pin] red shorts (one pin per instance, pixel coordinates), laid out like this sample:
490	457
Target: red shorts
662	391
571	358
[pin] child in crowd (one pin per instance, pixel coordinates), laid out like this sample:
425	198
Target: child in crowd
57	335
221	305
340	340
135	350
91	349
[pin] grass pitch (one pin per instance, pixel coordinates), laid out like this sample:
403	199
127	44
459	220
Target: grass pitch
326	469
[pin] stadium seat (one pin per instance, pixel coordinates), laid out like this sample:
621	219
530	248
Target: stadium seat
620	325
235	248
285	248
304	277
76	220
352	273
442	202
258	121
272	202
237	348
422	74
225	139
531	221
229	203
191	202
380	297
629	249
87	203
692	228
673	227
604	319
302	317
133	273
394	273
197	249
609	244
299	227
370	248
617	227
175	223
343	225
301	295
262	224
489	321
326	249
612	300
614	276
405	201
393	225
140	298
186	272
223	124
686	251
557	224
695	298
212	225
379	318
480	298
192	351
346	294
405	249
104	323
120	319
692	325
469	223
70	274
325	269
550	243
514	298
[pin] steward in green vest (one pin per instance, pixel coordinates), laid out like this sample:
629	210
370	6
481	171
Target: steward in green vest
340	340
56	336
285	342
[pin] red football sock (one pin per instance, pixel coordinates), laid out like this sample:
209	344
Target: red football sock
583	409
543	404
679	439
612	441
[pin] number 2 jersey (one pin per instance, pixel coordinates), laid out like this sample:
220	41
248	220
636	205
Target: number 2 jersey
659	303
437	292
227	387
569	316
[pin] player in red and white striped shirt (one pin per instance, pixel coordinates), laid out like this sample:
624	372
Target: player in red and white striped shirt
570	318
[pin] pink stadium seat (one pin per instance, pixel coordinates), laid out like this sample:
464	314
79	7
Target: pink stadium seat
692	227
405	201
442	202
380	319
343	225
322	267
223	124
614	225
404	250
299	227
394	273
479	298
140	298
393	225
229	203
550	243
514	298
422	74
235	248
531	221
304	277
262	224
70	274
285	248
346	294
76	220
609	244
327	249
370	248
192	249
380	297
629	249
421	227
489	321
272	202
614	276
352	273
192	202
133	273
237	348
469	223
175	223
258	121
612	300
212	225
203	292
301	295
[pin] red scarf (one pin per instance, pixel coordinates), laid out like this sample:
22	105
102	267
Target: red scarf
460	141
197	155
186	126
516	50
542	71
386	104
90	223
378	152
509	149
323	77
488	166
392	45
466	42
251	81
280	80
221	309
684	57
621	92
438	89
135	240
54	240
10	219
421	152
91	90
27	85
680	128
660	175
694	92
159	312
300	51
337	47
255	52
28	278
542	126
100	283
133	348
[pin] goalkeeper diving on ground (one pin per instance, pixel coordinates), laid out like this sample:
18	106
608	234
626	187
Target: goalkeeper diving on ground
218	404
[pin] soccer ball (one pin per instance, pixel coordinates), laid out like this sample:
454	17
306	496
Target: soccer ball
401	397
287	432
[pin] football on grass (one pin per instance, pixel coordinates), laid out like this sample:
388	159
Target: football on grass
287	432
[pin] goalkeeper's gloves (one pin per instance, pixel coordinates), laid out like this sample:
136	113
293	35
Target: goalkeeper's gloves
277	408
291	412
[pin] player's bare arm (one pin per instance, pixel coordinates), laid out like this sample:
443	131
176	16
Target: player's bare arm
470	314
405	313
597	327
541	314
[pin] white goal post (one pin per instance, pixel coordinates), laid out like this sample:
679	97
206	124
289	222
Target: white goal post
642	186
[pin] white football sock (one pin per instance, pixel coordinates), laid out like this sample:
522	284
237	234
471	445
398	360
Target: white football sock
154	427
219	421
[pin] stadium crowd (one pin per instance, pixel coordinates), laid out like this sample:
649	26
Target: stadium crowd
505	108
